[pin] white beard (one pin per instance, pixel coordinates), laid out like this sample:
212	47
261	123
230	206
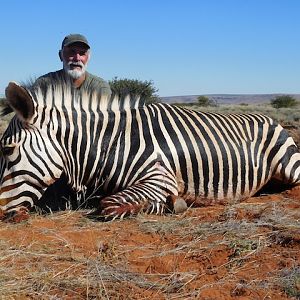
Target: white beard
75	73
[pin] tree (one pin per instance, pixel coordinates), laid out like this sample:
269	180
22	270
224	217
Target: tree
205	101
134	87
284	101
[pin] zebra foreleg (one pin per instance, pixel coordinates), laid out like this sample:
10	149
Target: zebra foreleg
110	208
142	197
149	194
127	203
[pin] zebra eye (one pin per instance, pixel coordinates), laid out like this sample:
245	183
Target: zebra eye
7	150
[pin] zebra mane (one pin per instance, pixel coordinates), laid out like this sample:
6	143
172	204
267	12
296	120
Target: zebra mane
89	92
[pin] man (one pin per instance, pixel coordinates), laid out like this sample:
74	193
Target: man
74	54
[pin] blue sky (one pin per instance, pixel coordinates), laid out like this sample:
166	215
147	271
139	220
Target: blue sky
187	47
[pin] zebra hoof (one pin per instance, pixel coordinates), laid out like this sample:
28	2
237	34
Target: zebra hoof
180	206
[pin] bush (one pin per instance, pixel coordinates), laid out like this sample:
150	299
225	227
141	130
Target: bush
284	101
204	101
144	89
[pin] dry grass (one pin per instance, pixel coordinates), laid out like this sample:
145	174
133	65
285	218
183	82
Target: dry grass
66	256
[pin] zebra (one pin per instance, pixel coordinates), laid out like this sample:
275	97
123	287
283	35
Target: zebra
135	157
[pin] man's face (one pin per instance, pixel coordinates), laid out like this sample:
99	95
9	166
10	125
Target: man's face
75	58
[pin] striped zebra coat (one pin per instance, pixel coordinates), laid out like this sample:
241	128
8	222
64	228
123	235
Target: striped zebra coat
135	157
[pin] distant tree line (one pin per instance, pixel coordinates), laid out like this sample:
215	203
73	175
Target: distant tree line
282	101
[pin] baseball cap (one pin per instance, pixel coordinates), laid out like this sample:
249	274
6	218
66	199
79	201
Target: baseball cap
74	38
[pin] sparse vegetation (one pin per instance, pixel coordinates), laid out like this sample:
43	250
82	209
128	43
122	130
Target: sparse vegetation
290	281
283	115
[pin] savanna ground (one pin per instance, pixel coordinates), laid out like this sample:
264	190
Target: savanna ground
248	250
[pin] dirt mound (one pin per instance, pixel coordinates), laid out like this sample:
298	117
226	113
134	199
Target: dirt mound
242	251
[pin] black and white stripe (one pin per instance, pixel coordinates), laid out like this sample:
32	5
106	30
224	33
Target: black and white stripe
137	156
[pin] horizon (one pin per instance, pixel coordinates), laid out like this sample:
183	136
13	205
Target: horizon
214	94
231	94
185	48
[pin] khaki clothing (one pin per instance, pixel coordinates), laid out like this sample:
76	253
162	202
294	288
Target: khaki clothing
90	81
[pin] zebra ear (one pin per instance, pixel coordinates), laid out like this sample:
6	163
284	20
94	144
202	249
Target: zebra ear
19	100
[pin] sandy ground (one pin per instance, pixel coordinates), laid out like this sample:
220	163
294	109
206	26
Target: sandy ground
242	251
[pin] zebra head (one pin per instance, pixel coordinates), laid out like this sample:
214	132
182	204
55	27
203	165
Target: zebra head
29	162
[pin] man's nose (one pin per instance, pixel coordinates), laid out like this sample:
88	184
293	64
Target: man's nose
77	56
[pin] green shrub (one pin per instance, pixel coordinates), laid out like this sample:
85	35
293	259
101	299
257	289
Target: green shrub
284	101
204	101
145	89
